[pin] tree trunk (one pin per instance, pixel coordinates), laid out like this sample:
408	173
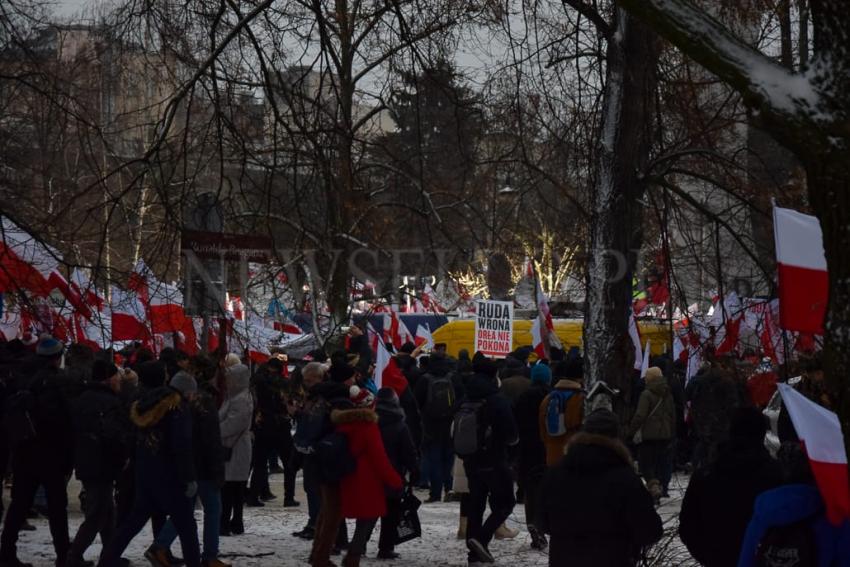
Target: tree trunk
829	192
617	215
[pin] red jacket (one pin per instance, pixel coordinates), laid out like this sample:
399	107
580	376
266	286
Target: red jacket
362	492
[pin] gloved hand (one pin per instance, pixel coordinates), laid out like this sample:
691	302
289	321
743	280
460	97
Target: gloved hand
191	489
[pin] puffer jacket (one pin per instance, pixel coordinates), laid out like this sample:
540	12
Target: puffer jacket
235	418
362	492
164	452
661	424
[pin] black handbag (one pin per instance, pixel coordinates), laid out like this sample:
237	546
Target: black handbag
409	527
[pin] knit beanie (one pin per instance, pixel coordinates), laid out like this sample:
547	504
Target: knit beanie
102	370
602	422
541	374
361	397
48	346
654	373
184	383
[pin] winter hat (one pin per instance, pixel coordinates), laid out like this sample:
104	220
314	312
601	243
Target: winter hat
602	422
184	383
407	348
232	359
151	374
102	370
748	423
340	373
48	346
653	373
483	365
541	374
361	397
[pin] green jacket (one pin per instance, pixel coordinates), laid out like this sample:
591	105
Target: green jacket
661	425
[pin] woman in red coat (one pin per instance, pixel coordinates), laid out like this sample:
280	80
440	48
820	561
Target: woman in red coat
362	492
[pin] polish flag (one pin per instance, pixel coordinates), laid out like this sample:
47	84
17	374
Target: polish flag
820	432
396	333
25	262
373	337
387	373
57	281
543	313
634	333
128	316
803	277
726	319
423	336
81	283
429	300
537	339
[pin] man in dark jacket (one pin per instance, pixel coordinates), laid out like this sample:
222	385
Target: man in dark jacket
713	396
532	453
166	482
269	417
719	500
437	414
209	469
488	470
38	419
102	446
593	504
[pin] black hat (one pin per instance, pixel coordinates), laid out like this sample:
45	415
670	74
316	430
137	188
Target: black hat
602	422
387	395
340	373
483	365
152	374
102	370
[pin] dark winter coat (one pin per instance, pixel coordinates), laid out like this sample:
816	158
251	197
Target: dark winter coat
102	434
270	415
49	392
661	424
719	500
497	415
595	506
398	442
362	492
206	438
713	398
436	430
532	452
515	386
164	456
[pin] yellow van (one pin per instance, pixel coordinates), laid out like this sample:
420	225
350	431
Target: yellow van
460	334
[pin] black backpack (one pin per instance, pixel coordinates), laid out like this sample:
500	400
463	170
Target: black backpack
440	403
470	429
793	545
335	459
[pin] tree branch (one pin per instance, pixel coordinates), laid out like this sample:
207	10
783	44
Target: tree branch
592	14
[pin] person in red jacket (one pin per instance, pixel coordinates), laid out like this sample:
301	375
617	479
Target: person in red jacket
362	492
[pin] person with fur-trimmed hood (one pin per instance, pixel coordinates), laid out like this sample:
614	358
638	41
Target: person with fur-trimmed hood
166	482
362	492
593	504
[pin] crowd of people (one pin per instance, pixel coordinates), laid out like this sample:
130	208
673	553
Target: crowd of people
150	440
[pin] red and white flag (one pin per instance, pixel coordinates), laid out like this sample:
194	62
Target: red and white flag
537	339
423	336
545	316
387	373
726	320
820	431
801	264
128	317
373	338
644	366
429	300
25	261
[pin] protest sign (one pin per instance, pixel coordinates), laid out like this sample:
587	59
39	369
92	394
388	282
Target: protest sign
494	328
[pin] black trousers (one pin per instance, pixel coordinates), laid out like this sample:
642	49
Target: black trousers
286	450
496	485
27	479
364	528
99	519
232	504
263	448
530	479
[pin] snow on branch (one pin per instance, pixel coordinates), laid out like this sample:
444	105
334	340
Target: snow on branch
763	82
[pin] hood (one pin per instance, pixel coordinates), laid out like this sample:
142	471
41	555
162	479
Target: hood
439	365
658	386
565	384
787	504
481	386
154	405
389	412
589	453
355	415
238	378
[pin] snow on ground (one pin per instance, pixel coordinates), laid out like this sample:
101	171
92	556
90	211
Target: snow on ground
268	540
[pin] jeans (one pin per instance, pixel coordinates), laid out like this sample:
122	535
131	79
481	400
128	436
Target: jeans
210	497
440	461
27	479
496	485
99	519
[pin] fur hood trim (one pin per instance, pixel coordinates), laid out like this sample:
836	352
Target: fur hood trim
615	445
339	417
567	384
155	414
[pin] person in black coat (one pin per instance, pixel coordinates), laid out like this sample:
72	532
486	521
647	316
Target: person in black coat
532	453
38	420
719	501
593	504
166	480
488	470
269	416
101	428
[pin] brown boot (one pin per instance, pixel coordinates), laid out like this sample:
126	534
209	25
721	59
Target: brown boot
461	528
351	560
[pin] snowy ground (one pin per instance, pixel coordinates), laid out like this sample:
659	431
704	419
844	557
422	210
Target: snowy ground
268	540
